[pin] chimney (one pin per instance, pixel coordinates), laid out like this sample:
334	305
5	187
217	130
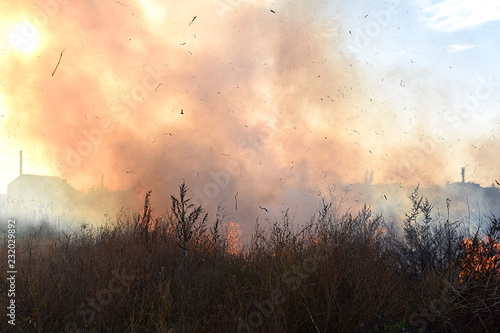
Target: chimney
20	162
463	175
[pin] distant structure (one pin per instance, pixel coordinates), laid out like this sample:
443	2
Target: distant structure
20	162
37	189
368	177
463	175
42	188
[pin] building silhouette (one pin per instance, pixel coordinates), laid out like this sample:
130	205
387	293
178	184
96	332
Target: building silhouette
47	189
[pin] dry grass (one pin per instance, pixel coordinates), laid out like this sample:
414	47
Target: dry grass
142	274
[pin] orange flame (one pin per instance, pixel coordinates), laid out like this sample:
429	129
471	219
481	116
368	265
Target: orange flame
479	261
313	240
233	238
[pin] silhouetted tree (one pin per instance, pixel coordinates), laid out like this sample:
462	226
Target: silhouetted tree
420	245
189	225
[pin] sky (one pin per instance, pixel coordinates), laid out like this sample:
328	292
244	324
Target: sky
249	101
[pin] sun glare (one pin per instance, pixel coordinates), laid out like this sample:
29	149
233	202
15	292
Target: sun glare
152	10
23	37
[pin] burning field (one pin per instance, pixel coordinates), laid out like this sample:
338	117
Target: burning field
245	166
181	271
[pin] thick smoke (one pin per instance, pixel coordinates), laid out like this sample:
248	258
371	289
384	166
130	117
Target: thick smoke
252	104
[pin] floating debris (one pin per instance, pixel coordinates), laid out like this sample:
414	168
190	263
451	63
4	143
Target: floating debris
60	57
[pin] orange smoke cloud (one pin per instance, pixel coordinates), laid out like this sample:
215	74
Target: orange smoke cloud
147	100
230	96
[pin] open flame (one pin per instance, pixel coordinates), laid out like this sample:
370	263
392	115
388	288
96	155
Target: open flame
482	258
233	238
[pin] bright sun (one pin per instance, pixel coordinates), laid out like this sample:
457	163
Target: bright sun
24	37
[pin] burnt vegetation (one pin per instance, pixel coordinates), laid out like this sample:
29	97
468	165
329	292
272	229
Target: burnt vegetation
338	272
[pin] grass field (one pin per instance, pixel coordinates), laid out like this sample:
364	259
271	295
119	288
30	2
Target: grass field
179	271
